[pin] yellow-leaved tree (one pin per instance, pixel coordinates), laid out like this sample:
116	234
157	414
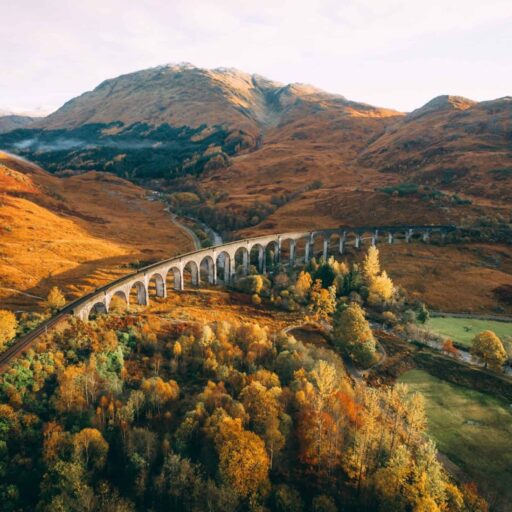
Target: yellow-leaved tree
380	286
489	348
303	284
8	326
55	299
243	460
90	447
352	333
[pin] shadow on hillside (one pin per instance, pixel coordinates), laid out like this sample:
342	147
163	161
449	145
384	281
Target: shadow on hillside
74	282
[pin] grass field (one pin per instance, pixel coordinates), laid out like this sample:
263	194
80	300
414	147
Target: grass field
473	429
464	330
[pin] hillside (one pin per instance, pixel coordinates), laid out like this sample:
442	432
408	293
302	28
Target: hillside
10	122
452	143
74	233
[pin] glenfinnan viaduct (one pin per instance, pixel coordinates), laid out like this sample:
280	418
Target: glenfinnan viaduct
221	265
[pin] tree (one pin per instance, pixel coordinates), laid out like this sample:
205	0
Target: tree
263	407
422	315
243	460
159	393
8	326
91	448
55	299
322	302
371	265
450	349
381	289
251	284
352	333
488	347
380	286
303	284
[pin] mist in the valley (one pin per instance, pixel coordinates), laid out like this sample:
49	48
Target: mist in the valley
36	144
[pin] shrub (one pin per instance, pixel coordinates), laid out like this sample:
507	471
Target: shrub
256	299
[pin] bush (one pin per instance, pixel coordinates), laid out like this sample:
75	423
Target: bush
389	317
251	284
256	299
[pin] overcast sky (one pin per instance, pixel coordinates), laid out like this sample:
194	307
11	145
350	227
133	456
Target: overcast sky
390	53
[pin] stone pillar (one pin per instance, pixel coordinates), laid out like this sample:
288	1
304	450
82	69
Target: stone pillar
343	238
227	270
143	295
292	252
408	235
326	248
391	238
426	235
261	260
306	255
245	262
278	253
375	237
181	285
358	240
161	288
232	269
214	272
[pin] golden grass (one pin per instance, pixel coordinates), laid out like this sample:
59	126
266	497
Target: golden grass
76	233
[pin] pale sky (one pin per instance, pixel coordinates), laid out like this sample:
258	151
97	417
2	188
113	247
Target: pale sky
391	53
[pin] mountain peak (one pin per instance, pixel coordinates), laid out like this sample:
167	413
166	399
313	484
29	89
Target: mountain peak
444	102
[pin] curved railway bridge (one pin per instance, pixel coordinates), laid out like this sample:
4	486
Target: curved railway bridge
221	264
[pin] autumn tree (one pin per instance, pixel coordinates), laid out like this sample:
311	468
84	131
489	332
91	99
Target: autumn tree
55	299
320	422
380	287
159	393
243	460
450	348
371	265
352	333
251	284
263	407
488	347
322	302
8	326
91	448
303	284
78	386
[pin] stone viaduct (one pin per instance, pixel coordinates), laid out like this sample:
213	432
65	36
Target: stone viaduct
222	264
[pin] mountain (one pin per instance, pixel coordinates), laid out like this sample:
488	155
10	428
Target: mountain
184	95
175	120
265	155
9	122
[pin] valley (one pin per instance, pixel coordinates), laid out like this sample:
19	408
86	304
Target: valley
171	351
